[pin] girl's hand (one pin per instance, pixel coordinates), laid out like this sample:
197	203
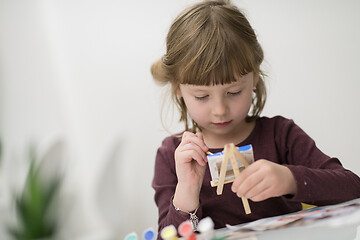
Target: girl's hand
190	163
264	179
190	159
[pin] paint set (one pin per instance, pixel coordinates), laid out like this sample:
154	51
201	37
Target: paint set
185	231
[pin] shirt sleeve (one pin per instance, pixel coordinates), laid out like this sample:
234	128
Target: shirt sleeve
320	179
164	184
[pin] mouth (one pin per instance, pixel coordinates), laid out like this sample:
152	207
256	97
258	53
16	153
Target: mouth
222	124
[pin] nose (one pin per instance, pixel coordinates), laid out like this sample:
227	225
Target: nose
219	107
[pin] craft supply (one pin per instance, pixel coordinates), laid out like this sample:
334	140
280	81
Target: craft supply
191	237
169	233
149	234
232	153
185	229
244	156
131	236
206	228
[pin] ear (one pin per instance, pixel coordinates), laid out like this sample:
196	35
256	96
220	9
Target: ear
178	92
256	79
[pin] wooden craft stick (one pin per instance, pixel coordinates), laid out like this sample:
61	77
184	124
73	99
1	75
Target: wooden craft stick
231	147
214	184
246	205
241	158
223	168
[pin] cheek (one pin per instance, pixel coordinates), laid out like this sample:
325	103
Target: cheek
195	110
196	113
243	105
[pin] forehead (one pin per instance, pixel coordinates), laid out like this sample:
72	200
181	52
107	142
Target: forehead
239	81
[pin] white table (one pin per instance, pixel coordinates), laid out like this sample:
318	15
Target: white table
336	222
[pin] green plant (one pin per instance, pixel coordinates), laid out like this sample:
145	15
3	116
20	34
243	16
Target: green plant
35	206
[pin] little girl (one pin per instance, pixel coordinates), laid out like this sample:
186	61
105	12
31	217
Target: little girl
213	63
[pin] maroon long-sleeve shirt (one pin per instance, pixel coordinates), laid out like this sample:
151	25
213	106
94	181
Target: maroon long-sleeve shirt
320	179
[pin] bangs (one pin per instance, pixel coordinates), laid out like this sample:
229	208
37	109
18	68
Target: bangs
216	56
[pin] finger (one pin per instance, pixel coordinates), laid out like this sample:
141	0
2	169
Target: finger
185	138
247	185
197	138
244	174
194	152
196	146
256	168
256	189
199	133
197	130
262	195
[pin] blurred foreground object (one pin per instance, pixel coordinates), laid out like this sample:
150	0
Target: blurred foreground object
35	206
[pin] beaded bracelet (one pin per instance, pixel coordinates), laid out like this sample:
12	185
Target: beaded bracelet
193	218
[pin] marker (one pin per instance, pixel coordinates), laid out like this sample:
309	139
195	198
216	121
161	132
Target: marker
169	233
131	236
206	228
185	229
149	234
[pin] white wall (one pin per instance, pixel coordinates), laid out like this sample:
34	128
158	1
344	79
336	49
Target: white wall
78	71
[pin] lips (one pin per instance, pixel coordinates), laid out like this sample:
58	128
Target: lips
222	124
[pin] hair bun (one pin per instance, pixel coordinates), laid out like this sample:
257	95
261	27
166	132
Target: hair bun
158	72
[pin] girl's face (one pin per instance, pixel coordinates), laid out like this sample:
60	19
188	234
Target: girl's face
220	110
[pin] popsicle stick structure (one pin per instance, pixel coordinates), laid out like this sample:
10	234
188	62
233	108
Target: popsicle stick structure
230	152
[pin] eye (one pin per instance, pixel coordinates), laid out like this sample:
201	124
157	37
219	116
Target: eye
200	98
234	93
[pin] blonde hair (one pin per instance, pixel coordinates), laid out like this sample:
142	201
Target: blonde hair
208	44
